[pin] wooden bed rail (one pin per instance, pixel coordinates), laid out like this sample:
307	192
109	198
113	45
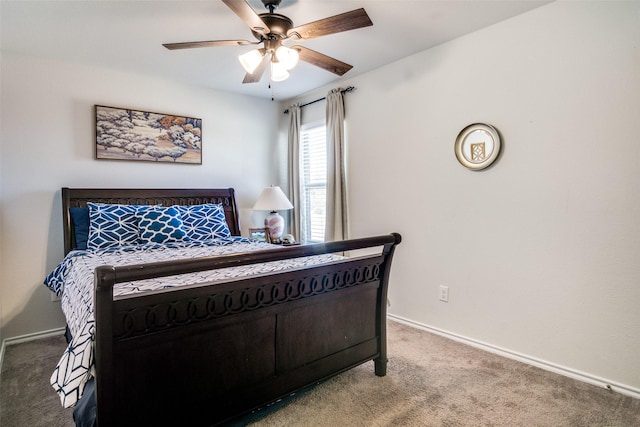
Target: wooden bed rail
108	275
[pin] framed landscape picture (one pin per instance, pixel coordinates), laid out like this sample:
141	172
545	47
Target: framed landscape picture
123	134
261	234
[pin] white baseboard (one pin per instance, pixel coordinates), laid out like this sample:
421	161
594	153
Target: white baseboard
29	337
547	366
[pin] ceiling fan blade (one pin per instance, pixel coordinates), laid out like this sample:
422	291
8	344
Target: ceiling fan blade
256	76
212	43
334	24
248	15
323	61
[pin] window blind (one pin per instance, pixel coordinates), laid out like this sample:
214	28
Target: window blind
313	181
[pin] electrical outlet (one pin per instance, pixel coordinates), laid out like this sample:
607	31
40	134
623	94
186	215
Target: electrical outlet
444	293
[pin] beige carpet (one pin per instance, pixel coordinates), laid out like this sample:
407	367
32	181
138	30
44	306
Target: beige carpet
26	397
431	381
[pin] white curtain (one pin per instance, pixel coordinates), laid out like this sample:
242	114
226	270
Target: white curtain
294	170
336	225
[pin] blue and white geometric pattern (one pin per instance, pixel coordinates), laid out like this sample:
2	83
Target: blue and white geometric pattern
160	225
73	281
79	359
112	225
204	222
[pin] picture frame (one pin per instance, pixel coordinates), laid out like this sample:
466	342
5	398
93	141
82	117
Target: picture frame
261	234
126	134
477	146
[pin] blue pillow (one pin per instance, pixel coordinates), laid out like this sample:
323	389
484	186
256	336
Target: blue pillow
112	225
80	224
160	225
204	222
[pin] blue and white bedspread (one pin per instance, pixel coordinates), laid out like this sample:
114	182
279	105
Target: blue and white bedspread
73	281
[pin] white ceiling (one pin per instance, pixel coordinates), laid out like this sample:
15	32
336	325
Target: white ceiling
127	35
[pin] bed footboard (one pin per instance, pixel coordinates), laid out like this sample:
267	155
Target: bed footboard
205	354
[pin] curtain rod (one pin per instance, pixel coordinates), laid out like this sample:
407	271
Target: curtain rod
348	89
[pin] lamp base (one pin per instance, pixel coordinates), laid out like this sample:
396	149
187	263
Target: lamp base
275	223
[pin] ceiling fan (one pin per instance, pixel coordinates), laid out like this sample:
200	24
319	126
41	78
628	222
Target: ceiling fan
272	29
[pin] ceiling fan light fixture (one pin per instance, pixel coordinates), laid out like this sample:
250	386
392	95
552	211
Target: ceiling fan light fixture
278	72
271	29
250	60
287	57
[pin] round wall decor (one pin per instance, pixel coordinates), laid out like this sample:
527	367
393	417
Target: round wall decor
477	146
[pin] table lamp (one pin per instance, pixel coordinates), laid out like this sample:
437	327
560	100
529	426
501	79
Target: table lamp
273	199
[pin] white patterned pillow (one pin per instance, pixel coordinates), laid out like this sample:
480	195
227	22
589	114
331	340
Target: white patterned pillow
204	222
112	225
160	225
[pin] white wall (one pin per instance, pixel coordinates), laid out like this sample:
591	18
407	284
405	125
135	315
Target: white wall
47	142
541	252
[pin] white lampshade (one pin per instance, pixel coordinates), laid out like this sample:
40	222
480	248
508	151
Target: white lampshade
273	199
250	60
287	57
278	72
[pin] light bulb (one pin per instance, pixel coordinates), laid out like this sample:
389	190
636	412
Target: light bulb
287	57
250	60
278	72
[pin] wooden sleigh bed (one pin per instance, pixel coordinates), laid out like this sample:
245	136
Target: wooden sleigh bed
204	354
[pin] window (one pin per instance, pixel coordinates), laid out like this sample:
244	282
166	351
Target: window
313	182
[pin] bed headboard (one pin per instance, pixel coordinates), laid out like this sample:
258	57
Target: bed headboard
78	197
